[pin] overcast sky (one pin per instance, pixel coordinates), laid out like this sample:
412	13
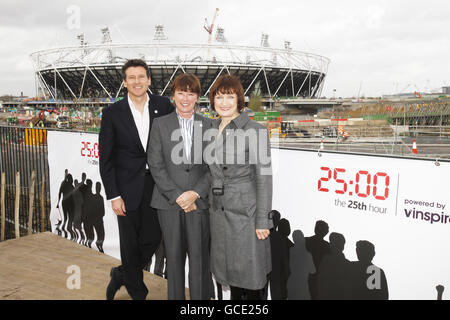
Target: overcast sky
379	46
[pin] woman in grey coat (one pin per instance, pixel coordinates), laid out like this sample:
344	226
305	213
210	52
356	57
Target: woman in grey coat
241	194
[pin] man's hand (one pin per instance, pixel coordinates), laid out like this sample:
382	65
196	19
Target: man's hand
118	207
186	199
262	233
193	207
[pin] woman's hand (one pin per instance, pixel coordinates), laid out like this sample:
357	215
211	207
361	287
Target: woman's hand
262	233
187	199
193	207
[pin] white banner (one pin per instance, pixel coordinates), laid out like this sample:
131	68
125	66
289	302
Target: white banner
399	205
79	209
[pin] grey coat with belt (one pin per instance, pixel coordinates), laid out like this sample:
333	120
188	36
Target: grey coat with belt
238	258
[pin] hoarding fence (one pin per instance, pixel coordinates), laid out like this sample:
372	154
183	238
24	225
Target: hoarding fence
25	192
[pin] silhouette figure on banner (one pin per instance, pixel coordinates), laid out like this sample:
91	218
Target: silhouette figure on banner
66	191
83	211
280	261
366	281
160	262
58	226
86	212
318	248
333	271
301	266
78	212
93	213
440	290
279	290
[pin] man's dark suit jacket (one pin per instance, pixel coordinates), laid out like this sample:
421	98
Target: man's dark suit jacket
122	157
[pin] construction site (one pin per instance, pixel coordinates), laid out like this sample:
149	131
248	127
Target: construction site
282	86
283	89
382	127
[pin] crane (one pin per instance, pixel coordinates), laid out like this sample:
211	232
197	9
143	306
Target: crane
359	90
209	28
417	92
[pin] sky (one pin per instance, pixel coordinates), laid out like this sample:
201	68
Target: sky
375	47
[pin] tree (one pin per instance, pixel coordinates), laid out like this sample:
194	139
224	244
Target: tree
255	103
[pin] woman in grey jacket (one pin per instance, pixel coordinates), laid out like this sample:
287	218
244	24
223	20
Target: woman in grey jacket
241	194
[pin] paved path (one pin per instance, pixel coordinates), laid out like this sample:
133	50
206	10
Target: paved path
34	268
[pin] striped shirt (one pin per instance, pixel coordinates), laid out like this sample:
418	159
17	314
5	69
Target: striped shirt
186	126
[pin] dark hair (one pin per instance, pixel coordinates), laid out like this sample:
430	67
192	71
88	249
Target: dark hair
365	250
228	84
337	242
321	228
134	63
186	82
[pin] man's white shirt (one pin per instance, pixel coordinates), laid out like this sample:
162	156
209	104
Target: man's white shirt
142	122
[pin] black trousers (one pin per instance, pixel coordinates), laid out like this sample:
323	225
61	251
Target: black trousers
140	236
247	294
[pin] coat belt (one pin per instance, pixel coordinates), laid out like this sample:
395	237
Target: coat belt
218	183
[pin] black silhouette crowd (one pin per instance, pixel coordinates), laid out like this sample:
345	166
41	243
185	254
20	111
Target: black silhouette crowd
309	268
82	211
313	268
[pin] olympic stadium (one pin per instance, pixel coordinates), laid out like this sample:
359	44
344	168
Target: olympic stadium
93	71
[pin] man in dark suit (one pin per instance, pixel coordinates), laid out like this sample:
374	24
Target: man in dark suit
123	141
181	192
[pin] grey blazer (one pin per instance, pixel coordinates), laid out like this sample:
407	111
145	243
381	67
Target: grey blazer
172	171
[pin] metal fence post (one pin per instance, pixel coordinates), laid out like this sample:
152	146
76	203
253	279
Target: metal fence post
31	203
17	206
43	204
3	207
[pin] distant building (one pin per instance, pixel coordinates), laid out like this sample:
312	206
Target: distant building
446	90
398	96
11	98
411	95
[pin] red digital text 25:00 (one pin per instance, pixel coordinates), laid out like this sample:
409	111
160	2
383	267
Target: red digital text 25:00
89	151
364	184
